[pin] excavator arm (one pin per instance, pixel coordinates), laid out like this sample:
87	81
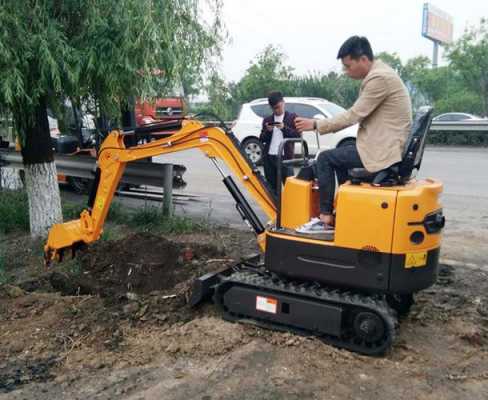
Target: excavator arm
113	157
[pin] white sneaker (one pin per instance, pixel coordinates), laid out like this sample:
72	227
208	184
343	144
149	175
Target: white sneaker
315	226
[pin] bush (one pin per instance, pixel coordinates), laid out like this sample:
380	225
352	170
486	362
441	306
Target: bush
14	211
458	138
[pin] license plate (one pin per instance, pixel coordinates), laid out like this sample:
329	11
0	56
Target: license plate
415	260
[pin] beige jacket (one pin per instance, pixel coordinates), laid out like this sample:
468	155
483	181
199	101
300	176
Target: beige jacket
384	113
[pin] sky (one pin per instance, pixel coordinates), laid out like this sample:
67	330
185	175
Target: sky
310	32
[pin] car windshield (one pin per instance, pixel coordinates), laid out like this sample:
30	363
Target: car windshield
331	108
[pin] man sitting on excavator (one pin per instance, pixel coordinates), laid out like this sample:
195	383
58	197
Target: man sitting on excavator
383	111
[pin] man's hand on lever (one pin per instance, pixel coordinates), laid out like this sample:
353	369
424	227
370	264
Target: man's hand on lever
305	124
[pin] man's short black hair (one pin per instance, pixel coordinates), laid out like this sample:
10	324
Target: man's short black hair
274	98
355	47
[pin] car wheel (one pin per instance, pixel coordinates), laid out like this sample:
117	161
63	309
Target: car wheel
347	142
253	149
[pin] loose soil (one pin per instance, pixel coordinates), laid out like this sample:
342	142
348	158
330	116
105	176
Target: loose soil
116	323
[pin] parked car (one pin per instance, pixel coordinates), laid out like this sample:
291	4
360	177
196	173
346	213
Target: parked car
247	127
454	116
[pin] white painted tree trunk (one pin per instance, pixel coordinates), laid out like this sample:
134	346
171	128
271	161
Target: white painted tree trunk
10	178
44	200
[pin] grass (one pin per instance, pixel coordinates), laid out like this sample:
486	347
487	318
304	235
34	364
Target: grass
152	218
71	266
117	213
3	272
72	210
14	217
14	211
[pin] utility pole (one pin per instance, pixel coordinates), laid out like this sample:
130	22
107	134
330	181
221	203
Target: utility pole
435	55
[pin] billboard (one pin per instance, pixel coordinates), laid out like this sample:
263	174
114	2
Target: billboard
436	24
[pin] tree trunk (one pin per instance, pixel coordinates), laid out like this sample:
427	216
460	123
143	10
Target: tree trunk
44	200
10	179
40	174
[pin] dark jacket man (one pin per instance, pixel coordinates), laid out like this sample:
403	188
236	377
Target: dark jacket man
289	131
278	126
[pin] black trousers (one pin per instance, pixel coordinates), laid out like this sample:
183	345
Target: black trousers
330	163
271	171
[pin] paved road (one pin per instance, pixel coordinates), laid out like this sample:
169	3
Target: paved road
465	176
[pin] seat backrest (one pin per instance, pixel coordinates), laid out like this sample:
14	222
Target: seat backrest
415	145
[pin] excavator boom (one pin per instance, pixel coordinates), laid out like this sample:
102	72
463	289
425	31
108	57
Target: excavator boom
113	157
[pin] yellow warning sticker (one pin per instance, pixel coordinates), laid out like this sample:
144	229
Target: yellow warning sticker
413	260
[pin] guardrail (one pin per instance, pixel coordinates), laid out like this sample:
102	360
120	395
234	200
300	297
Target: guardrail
460	126
136	173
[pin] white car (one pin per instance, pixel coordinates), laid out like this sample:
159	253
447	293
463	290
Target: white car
247	127
454	116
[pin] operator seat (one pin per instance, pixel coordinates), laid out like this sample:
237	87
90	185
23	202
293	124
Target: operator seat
400	173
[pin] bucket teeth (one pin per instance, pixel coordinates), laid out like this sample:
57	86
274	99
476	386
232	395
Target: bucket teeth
63	237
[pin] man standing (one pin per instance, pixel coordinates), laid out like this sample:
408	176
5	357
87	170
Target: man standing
276	127
383	111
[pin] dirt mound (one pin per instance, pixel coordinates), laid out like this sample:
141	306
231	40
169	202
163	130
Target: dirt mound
142	278
140	264
142	281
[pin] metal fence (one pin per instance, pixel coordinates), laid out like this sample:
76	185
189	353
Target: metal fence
136	173
460	126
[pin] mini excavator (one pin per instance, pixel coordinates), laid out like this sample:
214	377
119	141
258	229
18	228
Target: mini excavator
347	288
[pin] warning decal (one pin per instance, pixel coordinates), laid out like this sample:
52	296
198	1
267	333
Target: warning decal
266	304
413	260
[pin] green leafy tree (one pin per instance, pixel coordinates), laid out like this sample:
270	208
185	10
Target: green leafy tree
415	67
469	56
444	88
393	60
219	97
269	72
99	52
334	87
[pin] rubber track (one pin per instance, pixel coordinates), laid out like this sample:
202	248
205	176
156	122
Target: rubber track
267	284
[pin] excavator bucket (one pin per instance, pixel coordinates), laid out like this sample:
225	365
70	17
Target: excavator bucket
66	236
